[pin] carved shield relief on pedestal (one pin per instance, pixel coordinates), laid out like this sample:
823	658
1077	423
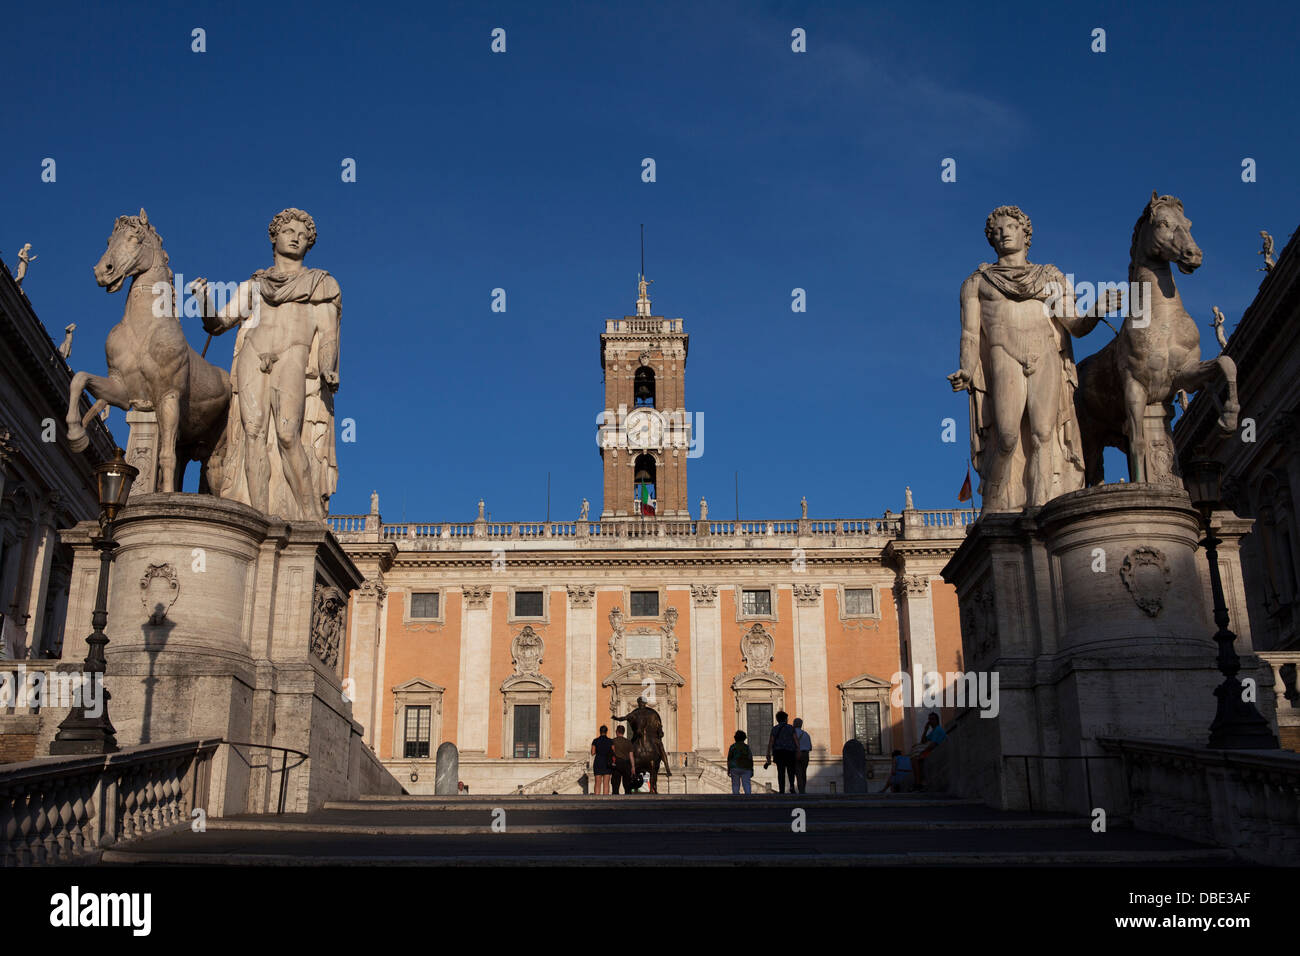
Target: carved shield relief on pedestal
1145	573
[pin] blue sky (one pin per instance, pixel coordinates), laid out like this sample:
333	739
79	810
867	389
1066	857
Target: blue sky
522	171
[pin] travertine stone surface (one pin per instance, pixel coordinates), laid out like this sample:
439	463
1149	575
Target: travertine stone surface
246	650
1094	611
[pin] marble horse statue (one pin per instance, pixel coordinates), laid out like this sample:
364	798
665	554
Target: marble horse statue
1156	354
151	366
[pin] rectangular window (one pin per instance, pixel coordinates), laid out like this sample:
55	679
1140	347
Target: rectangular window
424	605
866	725
859	601
528	604
758	725
645	603
756	602
528	730
417	731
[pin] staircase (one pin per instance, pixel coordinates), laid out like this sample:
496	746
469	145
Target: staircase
565	780
670	829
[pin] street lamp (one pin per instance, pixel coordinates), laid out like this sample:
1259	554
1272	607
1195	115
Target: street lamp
80	733
1237	725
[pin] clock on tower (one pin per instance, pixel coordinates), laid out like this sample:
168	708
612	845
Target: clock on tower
646	433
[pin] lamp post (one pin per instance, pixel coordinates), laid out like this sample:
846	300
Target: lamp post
1237	725
80	733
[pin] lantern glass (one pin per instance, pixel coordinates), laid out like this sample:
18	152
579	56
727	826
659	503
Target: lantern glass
115	479
1204	479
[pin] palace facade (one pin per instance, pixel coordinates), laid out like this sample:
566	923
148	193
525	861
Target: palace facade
516	641
44	486
1261	478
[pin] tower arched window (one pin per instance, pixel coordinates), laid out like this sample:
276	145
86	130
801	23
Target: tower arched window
644	472
643	387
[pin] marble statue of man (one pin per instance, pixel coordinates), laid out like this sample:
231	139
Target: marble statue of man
280	455
585	510
25	258
1017	363
65	350
1218	329
1266	252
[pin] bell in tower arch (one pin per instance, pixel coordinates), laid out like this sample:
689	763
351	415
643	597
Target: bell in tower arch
643	388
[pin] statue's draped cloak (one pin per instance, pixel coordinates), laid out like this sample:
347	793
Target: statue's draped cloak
311	286
1020	283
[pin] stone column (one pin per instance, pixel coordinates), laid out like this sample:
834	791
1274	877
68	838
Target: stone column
580	691
811	680
43	543
475	707
916	628
368	605
706	671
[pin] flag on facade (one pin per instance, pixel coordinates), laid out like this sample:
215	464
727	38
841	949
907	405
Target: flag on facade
647	503
965	494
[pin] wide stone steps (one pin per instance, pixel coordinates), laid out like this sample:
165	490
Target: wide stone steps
663	829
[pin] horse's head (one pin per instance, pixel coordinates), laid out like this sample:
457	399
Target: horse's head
1164	233
133	248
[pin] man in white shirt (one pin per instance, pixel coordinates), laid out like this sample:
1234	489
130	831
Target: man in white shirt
803	748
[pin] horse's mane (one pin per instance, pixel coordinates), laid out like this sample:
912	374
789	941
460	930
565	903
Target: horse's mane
1155	202
146	231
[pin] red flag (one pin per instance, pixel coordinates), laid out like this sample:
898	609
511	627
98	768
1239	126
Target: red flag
965	494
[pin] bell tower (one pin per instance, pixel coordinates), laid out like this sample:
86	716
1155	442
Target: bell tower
645	434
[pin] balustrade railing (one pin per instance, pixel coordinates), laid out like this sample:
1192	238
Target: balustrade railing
56	810
945	522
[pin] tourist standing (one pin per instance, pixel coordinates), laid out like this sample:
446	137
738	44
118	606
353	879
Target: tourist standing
740	763
624	761
602	766
803	750
782	748
932	736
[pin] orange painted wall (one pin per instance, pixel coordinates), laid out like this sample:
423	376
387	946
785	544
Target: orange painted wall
605	602
851	652
552	634
733	662
433	655
947	626
553	665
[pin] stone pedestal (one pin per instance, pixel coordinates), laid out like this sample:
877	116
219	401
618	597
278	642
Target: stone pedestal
224	622
1095	614
1160	462
142	451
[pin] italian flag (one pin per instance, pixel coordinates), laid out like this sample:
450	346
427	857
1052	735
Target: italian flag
647	503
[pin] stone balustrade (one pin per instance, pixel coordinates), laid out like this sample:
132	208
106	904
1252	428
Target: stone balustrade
1245	800
1285	665
668	532
652	324
61	809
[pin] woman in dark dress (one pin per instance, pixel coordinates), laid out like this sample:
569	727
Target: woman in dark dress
602	764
